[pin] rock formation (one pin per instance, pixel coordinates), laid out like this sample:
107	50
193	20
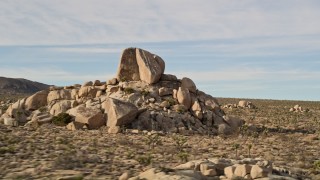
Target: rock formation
140	97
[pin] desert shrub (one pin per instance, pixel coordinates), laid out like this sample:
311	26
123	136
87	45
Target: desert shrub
4	108
7	149
180	142
153	140
236	146
145	92
62	119
171	101
145	159
43	109
316	165
123	79
183	156
128	90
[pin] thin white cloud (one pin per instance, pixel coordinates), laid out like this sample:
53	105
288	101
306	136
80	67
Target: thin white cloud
249	74
97	21
85	50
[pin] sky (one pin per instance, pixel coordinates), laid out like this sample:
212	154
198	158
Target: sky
265	49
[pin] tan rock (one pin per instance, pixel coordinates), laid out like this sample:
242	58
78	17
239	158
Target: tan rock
259	172
119	112
229	172
188	84
88	83
16	107
128	69
74	93
10	121
242	170
165	104
112	81
62	106
74	126
59	94
87	91
168	77
196	106
151	66
97	83
174	93
99	93
184	97
242	103
112	89
163	91
37	100
189	165
124	176
90	116
114	130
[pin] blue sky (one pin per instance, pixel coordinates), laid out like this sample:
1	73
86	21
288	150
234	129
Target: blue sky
248	49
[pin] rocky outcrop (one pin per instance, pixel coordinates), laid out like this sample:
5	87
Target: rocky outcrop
216	169
141	97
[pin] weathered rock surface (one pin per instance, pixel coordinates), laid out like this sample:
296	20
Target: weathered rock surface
37	100
62	106
120	112
151	66
62	94
128	69
184	97
188	84
90	116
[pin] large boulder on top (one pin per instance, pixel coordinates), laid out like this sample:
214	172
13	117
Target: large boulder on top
120	112
37	100
128	69
151	66
189	84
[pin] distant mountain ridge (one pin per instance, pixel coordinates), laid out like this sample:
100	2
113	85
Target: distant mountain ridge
20	86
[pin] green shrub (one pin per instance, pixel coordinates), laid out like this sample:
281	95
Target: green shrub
171	101
145	160
145	92
316	165
62	119
128	90
153	140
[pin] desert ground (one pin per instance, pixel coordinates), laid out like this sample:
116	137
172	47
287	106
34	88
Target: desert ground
289	139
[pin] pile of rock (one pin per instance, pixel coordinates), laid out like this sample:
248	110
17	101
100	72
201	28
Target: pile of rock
298	108
218	169
241	104
230	106
246	104
140	97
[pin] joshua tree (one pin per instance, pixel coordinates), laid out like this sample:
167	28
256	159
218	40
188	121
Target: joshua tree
236	147
249	149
